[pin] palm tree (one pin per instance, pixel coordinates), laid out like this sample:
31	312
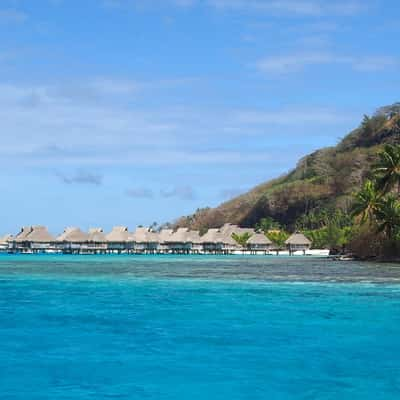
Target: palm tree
241	239
387	169
388	216
278	237
366	202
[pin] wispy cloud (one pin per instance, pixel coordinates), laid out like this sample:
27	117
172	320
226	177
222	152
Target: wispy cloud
181	192
140	193
291	117
82	177
78	132
297	7
284	64
273	7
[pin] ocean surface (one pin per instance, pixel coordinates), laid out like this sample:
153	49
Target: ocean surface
198	327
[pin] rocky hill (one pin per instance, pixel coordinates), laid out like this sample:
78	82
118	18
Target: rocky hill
321	181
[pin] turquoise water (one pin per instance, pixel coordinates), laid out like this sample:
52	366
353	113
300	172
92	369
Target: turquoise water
198	328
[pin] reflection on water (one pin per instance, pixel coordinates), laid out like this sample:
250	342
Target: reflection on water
230	268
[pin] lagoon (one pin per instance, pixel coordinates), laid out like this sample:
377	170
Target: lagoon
167	327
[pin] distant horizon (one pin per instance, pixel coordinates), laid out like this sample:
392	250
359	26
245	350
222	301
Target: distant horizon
129	112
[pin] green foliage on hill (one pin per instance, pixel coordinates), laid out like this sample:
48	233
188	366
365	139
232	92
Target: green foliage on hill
376	209
318	193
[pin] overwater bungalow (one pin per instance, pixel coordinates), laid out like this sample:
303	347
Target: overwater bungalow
145	241
164	237
19	243
40	240
259	244
229	245
5	243
210	240
119	240
298	244
97	241
73	241
196	242
179	242
226	244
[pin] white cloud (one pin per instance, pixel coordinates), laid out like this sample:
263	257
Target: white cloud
44	127
283	64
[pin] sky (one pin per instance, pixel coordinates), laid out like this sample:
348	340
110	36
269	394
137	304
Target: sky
129	112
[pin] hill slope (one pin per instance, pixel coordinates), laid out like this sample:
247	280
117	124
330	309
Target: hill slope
321	181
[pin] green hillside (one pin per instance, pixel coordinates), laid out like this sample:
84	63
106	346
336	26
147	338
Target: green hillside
322	182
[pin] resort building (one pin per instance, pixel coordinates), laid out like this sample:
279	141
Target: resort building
73	241
164	237
259	244
210	241
179	242
119	240
97	242
39	240
5	243
196	242
298	244
145	241
19	243
226	244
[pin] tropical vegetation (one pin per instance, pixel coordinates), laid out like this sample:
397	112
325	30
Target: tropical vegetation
345	198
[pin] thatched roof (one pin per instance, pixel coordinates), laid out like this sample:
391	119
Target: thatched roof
227	238
73	235
180	236
153	237
6	238
96	235
40	234
298	239
228	229
119	234
259	238
21	236
164	235
141	235
145	235
194	237
211	236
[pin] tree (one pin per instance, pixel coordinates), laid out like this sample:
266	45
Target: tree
241	239
278	238
337	237
266	224
366	202
387	169
388	216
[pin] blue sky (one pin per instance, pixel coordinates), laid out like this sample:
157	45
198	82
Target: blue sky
133	111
